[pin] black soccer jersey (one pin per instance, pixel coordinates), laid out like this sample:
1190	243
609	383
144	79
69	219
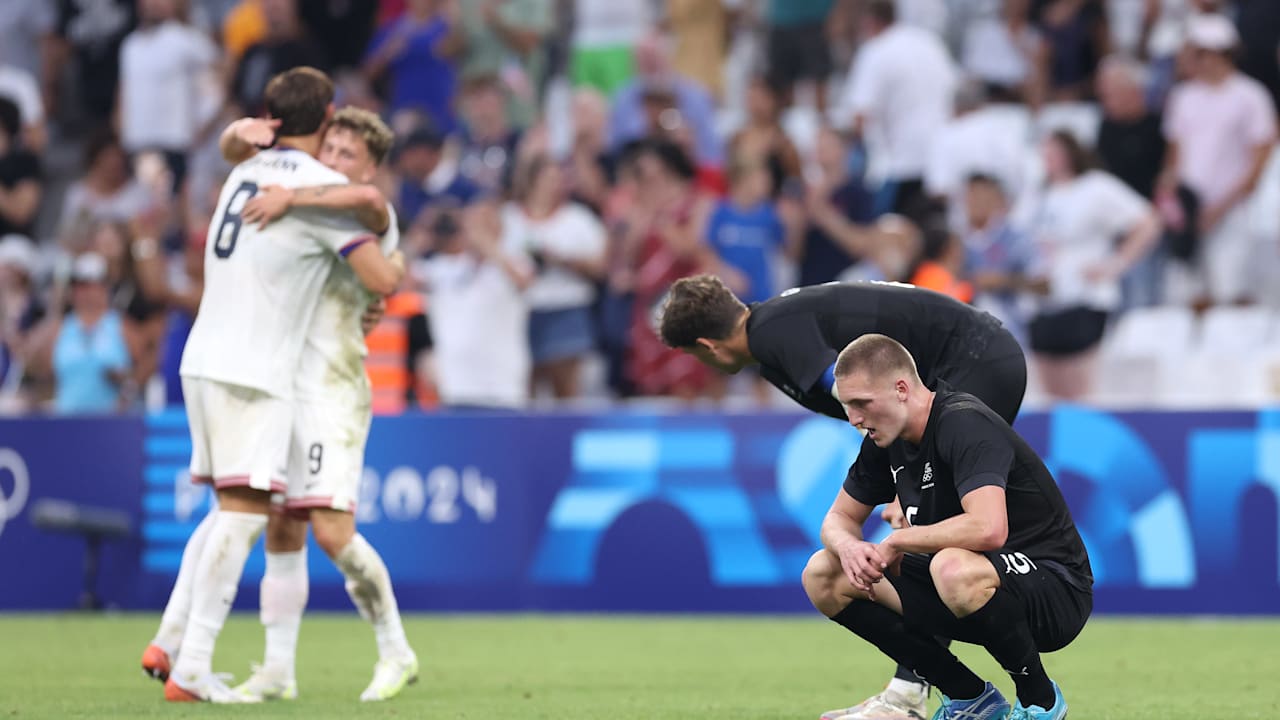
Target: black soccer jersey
796	336
967	446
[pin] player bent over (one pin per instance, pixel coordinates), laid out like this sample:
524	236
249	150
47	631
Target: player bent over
795	337
990	554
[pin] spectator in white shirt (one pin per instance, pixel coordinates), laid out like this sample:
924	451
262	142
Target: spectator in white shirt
899	93
1009	54
479	317
1090	230
107	190
567	245
983	138
1221	128
165	66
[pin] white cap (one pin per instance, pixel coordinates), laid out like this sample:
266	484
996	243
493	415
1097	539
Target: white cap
18	251
89	267
1211	31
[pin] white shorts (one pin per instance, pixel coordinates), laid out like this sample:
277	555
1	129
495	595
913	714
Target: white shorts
239	436
326	454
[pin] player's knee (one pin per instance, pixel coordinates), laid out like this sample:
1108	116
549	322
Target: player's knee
954	570
285	533
333	531
819	581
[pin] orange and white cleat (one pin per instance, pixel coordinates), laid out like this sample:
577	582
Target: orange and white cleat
155	662
210	688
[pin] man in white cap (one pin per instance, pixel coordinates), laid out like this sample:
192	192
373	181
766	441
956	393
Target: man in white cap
1221	127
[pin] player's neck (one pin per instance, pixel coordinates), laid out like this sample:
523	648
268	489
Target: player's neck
309	144
914	433
738	341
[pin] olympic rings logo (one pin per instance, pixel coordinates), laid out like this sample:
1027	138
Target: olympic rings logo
13	503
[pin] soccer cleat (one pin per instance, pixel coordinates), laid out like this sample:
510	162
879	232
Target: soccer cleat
888	705
155	662
390	676
1035	712
210	688
990	705
267	684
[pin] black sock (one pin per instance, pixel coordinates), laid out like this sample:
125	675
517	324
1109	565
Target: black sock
906	673
1006	635
885	629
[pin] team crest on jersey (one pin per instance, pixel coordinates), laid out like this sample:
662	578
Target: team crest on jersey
927	480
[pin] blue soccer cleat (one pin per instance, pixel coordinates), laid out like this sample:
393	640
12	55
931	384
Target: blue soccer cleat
1035	712
990	705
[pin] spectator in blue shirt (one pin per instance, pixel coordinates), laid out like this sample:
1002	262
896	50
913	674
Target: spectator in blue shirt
696	107
1000	260
747	232
416	51
419	182
90	357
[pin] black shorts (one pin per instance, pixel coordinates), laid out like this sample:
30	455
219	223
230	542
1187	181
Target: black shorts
997	376
1055	609
1067	332
798	53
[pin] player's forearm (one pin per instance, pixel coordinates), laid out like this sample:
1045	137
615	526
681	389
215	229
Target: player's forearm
966	531
839	529
365	201
234	149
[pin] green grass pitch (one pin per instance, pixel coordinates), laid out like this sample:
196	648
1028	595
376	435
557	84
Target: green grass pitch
556	667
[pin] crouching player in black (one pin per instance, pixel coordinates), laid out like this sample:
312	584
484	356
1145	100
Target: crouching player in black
990	554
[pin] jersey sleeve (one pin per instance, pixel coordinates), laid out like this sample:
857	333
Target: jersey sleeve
339	234
794	345
977	450
869	480
390	240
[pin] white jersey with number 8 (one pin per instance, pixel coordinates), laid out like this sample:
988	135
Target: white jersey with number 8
261	286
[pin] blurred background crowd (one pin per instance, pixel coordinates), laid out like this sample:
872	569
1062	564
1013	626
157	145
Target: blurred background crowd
1097	174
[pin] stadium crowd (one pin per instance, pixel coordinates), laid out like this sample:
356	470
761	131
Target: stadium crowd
559	163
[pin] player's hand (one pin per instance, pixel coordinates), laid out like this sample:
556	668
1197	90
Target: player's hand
893	515
258	132
268	205
396	258
891	556
862	565
373	315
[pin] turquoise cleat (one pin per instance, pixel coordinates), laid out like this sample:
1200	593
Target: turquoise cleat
1035	712
990	705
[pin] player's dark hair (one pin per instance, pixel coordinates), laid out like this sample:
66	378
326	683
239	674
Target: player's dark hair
876	355
299	98
699	307
376	135
884	11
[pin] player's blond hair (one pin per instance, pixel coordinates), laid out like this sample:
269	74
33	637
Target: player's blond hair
876	355
375	133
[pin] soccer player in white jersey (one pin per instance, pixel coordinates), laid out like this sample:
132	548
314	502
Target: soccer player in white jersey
261	288
332	413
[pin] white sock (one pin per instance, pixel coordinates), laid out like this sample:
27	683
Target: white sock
369	585
217	575
283	598
174	621
908	689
